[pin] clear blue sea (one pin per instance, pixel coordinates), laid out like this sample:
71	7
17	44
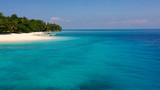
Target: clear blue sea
84	60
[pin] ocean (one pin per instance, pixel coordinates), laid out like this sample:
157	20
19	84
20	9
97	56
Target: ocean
84	60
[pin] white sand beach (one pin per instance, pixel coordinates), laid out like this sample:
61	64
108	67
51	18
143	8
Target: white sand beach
35	36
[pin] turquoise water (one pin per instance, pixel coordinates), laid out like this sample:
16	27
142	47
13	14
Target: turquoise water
85	60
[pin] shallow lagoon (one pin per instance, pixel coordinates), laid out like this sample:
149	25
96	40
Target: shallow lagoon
85	60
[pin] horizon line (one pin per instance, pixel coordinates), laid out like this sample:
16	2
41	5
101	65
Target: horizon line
114	29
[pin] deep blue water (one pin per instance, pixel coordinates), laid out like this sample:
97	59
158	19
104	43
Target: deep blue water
85	60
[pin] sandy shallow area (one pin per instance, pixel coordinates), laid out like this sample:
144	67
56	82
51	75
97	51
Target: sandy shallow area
24	37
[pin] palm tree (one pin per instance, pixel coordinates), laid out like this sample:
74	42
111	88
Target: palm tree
13	26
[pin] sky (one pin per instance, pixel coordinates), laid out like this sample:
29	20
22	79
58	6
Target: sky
88	14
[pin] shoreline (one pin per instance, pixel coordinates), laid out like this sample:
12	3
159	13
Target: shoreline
34	36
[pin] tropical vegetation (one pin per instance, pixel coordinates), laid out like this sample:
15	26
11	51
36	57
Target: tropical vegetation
15	24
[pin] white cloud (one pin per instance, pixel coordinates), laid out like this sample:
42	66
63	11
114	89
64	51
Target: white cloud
58	19
55	18
134	21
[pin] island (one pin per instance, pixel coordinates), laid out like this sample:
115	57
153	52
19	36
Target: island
14	28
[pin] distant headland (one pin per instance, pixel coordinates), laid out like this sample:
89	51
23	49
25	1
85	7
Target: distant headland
15	24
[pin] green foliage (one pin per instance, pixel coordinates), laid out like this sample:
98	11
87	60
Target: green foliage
53	27
22	24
